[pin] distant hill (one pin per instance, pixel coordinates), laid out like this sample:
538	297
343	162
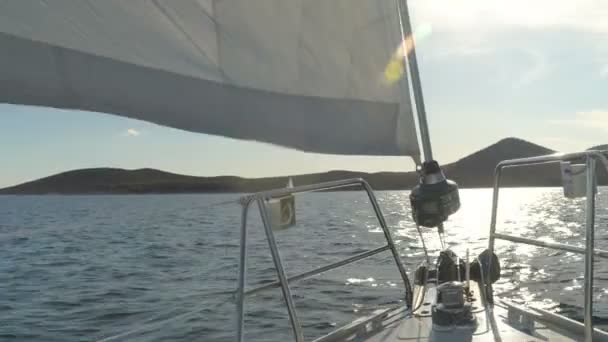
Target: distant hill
475	170
600	147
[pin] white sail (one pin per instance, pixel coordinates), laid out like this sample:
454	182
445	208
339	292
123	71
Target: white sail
306	74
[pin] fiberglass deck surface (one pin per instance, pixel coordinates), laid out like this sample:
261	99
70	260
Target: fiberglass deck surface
491	326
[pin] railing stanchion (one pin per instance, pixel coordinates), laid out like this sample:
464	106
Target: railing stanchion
276	258
590	157
489	293
589	248
283	282
409	294
240	294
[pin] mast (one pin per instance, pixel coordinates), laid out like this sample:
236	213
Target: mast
411	61
443	192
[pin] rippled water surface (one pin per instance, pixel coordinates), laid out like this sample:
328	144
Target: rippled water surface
162	267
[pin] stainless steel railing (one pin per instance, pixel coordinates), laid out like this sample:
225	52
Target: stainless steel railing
590	158
283	281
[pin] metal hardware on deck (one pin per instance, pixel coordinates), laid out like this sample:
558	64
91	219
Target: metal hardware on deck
521	318
283	282
358	327
590	158
549	318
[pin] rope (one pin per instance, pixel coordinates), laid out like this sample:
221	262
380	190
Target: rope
441	237
424	286
426	252
150	323
426	273
217	204
442	241
483	282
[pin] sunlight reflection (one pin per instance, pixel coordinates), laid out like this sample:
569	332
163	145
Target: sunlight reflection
350	281
531	274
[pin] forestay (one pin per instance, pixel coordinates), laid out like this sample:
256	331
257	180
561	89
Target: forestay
306	74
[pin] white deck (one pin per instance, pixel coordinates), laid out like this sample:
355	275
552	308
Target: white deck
492	325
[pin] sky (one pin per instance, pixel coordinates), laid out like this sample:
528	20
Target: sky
490	69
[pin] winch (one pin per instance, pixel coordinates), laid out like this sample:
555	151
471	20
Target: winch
454	300
452	307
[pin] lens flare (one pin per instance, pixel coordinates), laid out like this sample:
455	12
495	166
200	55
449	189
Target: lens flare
395	68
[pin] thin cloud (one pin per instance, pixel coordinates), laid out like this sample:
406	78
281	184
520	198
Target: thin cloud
539	68
132	132
562	141
604	71
594	119
484	15
566	144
